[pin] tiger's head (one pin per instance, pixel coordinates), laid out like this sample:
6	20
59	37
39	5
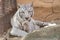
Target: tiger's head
26	11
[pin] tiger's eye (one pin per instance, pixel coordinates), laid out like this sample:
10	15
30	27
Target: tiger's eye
22	12
29	11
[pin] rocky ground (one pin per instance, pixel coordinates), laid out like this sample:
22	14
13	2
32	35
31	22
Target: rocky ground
15	38
49	33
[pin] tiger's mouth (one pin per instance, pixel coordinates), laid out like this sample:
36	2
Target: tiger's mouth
28	20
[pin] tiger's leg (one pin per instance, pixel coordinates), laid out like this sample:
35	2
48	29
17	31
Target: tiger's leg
18	32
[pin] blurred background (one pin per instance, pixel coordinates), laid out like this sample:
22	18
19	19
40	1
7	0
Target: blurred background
45	10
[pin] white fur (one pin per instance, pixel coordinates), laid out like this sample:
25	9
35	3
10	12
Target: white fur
16	21
50	24
16	30
19	22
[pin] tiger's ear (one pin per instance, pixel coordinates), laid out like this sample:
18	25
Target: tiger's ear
31	4
18	5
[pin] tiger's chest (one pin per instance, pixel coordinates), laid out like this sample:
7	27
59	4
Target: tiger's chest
32	26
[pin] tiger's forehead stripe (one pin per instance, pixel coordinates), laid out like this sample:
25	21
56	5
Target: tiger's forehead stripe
25	7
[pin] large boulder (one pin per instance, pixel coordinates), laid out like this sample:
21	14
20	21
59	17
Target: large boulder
49	33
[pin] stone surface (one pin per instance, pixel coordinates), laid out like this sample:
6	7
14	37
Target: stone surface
47	1
56	5
53	16
41	13
14	38
49	33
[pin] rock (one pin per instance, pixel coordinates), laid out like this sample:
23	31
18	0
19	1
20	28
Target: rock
49	33
41	13
53	16
56	5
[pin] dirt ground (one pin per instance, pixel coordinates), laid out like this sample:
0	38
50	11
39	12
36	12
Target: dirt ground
14	38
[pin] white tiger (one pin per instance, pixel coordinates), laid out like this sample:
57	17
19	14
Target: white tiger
23	23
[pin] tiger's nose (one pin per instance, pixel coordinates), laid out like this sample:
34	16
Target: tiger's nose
27	18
